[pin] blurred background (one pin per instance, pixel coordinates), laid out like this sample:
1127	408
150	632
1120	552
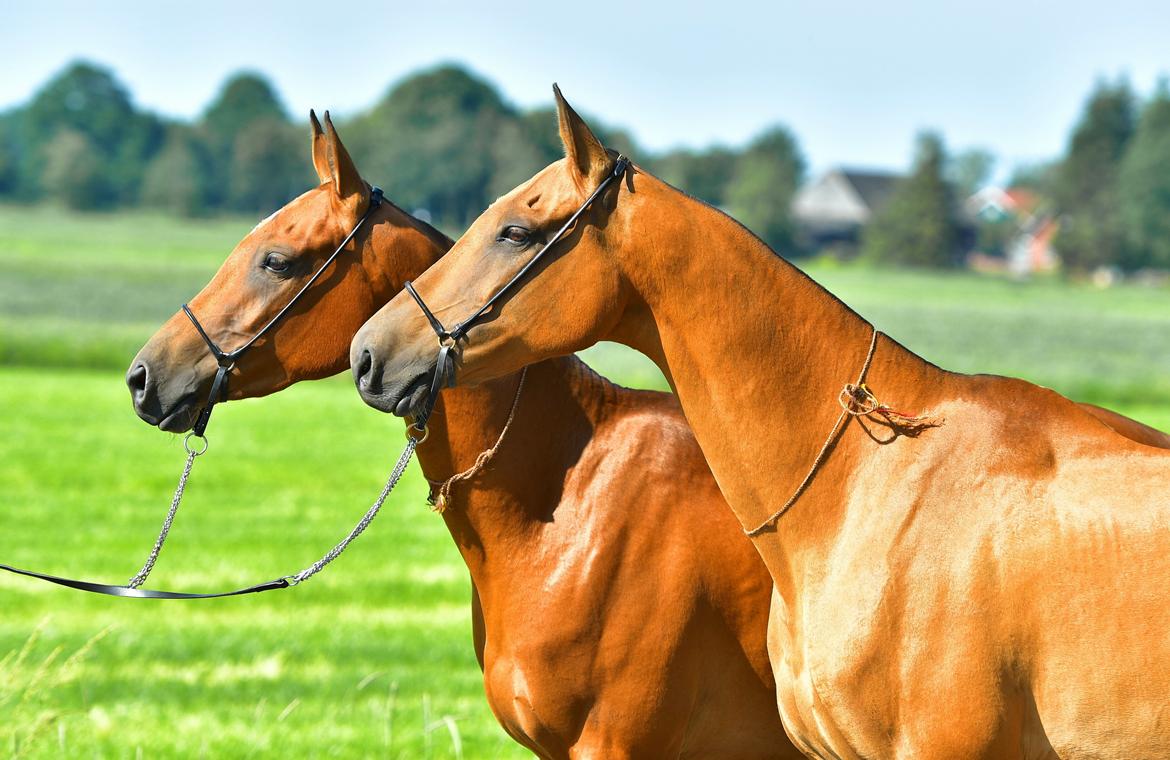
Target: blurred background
989	184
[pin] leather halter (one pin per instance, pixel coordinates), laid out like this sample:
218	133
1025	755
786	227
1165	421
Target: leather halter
227	359
449	338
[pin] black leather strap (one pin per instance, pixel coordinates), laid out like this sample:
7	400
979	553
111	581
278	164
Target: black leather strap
445	365
459	331
143	593
218	393
436	325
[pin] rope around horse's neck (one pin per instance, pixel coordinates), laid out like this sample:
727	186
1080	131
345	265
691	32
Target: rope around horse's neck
441	499
847	410
856	400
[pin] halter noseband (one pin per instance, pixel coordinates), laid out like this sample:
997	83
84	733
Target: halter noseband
227	359
449	339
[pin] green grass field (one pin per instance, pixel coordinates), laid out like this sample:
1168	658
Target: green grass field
373	657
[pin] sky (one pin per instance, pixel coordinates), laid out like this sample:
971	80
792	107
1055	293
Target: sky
854	80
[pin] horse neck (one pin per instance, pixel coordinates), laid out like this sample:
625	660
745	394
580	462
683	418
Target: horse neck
506	507
501	505
757	353
397	243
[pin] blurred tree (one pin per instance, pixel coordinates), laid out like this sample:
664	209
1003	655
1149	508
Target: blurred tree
445	141
1091	234
9	152
74	172
176	179
1041	178
268	167
540	129
430	143
614	138
970	170
245	99
1143	187
704	174
522	148
85	99
760	192
919	226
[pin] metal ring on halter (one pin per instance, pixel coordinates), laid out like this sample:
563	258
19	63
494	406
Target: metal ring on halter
425	430
448	341
187	444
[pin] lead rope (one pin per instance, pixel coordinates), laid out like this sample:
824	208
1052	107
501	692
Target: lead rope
856	400
142	574
847	410
363	523
133	588
311	570
440	500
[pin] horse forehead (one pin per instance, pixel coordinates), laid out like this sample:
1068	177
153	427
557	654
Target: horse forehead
264	221
300	215
293	206
547	191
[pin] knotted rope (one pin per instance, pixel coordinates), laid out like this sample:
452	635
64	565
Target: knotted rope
856	400
440	499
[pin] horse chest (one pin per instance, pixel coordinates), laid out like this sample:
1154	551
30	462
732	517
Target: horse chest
830	684
536	700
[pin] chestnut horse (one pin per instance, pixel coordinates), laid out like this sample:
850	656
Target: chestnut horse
617	609
985	575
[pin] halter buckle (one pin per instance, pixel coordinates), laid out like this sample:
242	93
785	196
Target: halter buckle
198	437
425	430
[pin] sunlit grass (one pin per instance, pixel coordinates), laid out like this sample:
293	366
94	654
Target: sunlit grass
372	657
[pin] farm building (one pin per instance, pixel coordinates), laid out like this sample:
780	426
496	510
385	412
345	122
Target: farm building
831	210
1029	247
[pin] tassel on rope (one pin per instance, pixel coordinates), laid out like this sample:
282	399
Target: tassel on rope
440	499
858	401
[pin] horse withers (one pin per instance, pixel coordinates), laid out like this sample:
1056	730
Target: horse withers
982	574
616	609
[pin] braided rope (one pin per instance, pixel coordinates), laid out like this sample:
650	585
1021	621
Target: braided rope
367	518
142	574
850	407
441	499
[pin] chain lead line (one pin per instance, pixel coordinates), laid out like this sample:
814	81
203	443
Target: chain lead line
311	570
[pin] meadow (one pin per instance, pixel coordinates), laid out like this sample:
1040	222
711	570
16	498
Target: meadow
373	657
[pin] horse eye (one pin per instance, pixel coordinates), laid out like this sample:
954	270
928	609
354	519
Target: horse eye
514	234
274	262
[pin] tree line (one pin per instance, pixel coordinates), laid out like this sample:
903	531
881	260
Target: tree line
1109	191
444	142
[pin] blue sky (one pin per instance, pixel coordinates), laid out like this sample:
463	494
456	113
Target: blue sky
854	80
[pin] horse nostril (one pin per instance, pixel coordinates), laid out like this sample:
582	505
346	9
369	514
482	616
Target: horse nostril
362	370
136	381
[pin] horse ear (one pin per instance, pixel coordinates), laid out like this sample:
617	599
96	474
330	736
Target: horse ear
587	156
347	183
320	150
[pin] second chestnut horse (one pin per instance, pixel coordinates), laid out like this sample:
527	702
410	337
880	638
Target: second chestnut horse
617	610
984	574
